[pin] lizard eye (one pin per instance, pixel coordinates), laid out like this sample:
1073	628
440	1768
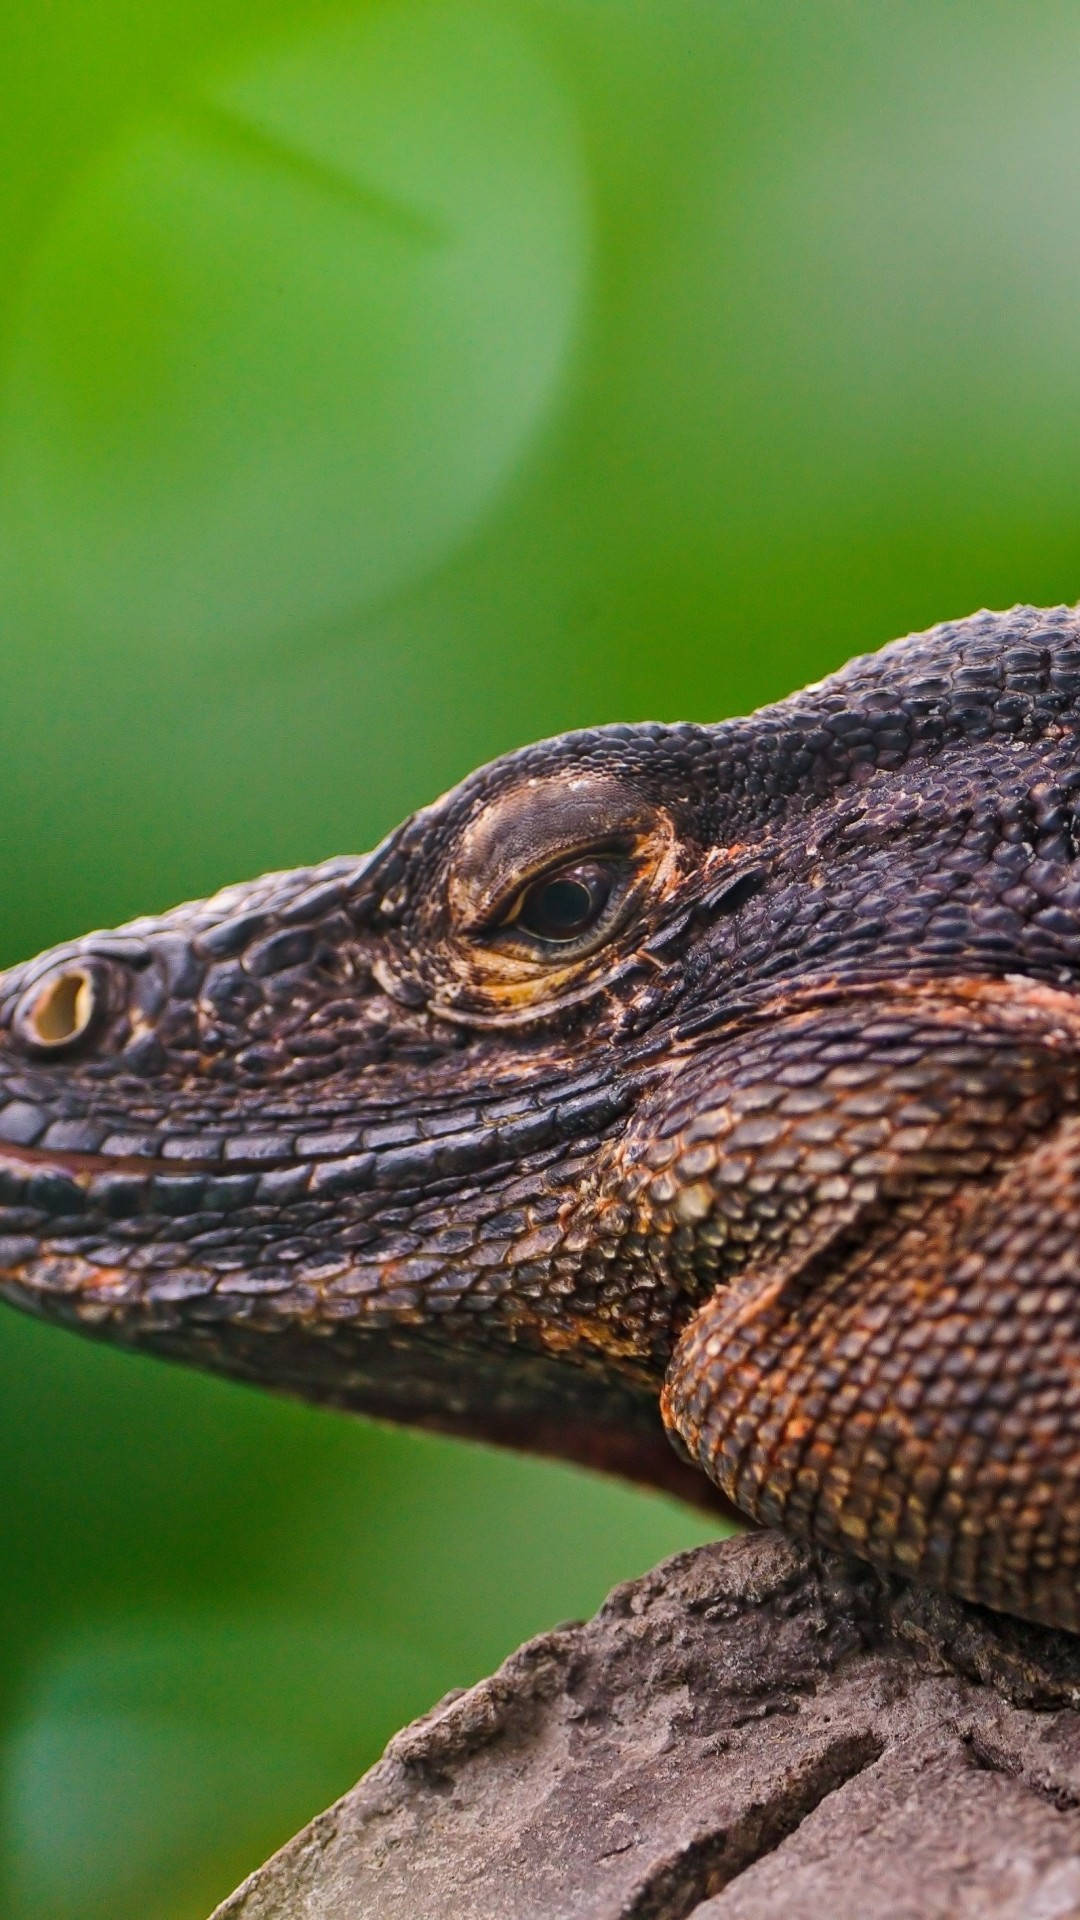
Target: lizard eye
570	909
565	905
543	890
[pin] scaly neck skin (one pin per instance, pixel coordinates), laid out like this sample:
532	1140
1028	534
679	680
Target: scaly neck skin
383	1134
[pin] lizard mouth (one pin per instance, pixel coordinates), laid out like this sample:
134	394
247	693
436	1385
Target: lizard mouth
80	1168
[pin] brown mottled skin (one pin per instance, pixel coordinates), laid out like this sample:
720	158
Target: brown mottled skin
730	1073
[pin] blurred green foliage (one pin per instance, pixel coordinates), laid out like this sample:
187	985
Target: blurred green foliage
382	385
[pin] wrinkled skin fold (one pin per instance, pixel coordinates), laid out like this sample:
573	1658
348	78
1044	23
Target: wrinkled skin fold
723	1077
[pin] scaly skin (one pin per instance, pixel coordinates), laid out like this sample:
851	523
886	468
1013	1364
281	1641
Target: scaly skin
730	1071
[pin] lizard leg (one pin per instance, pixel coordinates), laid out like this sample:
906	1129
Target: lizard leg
913	1397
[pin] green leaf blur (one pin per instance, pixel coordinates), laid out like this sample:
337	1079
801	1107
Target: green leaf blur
381	386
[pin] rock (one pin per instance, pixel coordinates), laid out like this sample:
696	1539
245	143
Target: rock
750	1730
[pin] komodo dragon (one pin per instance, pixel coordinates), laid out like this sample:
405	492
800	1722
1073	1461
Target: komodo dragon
728	1074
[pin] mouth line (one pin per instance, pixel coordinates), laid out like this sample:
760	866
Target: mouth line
86	1166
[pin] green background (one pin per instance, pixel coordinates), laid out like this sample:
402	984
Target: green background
382	386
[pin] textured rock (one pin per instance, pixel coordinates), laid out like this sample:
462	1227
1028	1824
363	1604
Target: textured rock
748	1730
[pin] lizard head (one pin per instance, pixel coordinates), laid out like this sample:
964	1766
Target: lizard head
338	1131
384	1132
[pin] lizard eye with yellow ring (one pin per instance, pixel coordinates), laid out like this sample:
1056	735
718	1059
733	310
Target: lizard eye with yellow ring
545	889
566	905
570	909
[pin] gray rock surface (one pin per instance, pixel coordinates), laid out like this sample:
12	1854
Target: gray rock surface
749	1731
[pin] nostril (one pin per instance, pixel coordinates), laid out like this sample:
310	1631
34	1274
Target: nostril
57	1011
